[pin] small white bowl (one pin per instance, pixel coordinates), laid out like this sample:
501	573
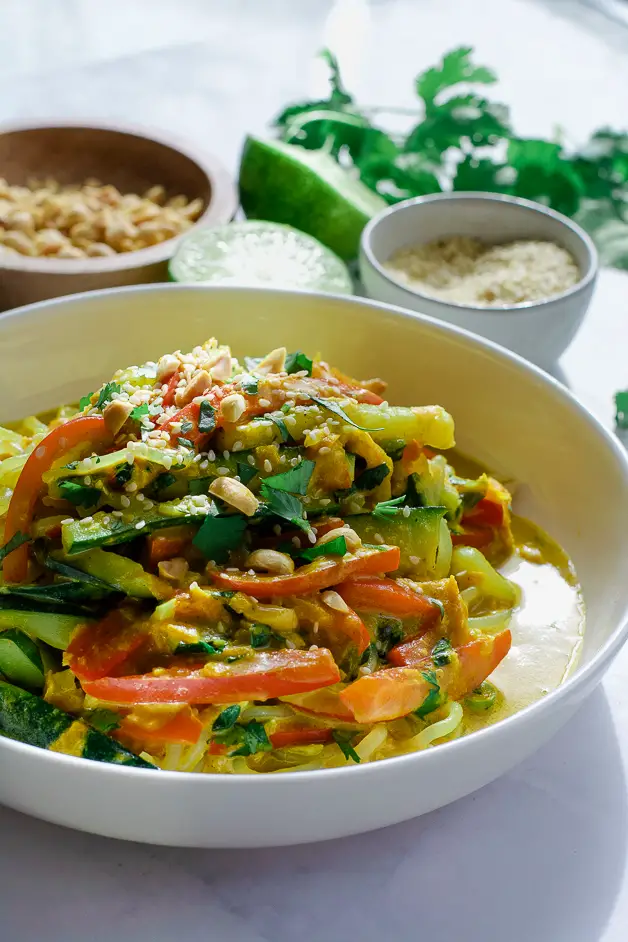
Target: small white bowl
540	331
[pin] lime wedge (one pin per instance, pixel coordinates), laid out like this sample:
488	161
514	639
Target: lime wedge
259	254
306	189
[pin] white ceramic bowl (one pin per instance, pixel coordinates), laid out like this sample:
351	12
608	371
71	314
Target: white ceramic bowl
540	331
513	417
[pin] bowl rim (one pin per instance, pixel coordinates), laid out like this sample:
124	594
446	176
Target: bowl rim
497	309
221	208
580	677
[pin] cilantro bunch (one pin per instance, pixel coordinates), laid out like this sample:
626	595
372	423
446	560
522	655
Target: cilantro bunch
459	139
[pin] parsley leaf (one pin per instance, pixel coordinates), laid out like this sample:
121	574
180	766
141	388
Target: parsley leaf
343	740
456	67
245	471
206	418
16	540
124	474
254	740
138	412
218	535
107	393
85	401
250	384
388	508
294	481
79	494
281	425
441	652
433	699
227	718
186	443
340	412
372	477
296	362
105	721
336	547
286	506
260	636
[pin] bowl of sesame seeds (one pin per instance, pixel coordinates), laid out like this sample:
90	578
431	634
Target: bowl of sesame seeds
85	207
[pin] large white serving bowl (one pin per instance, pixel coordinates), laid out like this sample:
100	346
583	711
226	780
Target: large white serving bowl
574	483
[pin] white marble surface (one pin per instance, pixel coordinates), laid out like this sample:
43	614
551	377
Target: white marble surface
540	854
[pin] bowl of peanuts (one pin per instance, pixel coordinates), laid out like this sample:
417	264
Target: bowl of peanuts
86	207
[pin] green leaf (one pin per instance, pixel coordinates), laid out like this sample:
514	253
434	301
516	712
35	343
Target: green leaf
18	539
105	721
200	647
389	633
219	535
544	175
246	472
466	118
107	393
254	739
295	362
186	443
433	700
340	412
294	481
138	412
281	425
339	94
372	477
394	448
476	175
621	410
206	418
85	401
79	494
250	384
456	67
187	426
335	547
260	636
285	506
442	652
389	508
227	718
343	740
162	481
124	474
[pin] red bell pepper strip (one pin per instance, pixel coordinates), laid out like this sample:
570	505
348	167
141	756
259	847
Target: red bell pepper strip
168	396
478	537
320	574
97	650
260	678
351	626
185	727
397	691
385	596
486	513
168	543
89	430
416	649
299	736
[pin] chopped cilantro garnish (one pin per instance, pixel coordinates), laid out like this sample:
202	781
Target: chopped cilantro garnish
163	480
281	425
441	652
186	443
254	739
250	384
105	721
16	540
433	700
260	636
343	741
199	485
200	647
388	508
389	633
107	393
286	506
124	474
79	494
138	412
295	362
227	718
85	401
245	471
218	535
372	477
336	547
340	412
187	427
206	418
294	481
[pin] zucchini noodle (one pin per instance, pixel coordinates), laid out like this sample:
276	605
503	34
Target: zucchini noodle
373	741
438	730
496	621
264	713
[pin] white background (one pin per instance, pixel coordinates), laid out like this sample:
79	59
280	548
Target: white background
539	855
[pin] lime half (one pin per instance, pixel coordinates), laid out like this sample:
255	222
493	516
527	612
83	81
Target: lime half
259	254
306	189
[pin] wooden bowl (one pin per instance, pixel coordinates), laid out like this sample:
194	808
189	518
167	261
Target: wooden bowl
132	160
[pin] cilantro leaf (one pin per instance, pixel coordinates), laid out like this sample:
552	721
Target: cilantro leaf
200	647
455	68
138	412
227	718
294	481
441	652
162	481
185	443
124	474
107	393
79	494
187	426
246	472
372	477
343	740
85	401
295	362
206	418
105	721
389	633
281	425
260	635
389	508
340	412
254	740
336	547
18	539
433	699
286	506
218	535
250	384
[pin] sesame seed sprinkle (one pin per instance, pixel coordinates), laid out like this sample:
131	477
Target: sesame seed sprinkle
140	524
223	470
414	560
406	511
267	466
125	501
379	538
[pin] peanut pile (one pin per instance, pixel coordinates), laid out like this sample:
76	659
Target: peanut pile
89	220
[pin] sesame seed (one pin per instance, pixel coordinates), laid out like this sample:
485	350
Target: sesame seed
238	446
306	432
130	487
125	501
140	524
307	500
290	420
225	455
251	572
197	458
40	452
325	501
294	462
379	538
313	647
148	504
290	643
296	542
223	470
282	459
140	497
267	466
88	519
211	455
251	460
406	511
116	513
106	520
414	560
312	537
264	403
277	530
231	569
87	480
365	669
68	520
324	450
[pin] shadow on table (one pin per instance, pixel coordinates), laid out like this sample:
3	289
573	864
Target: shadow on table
537	855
